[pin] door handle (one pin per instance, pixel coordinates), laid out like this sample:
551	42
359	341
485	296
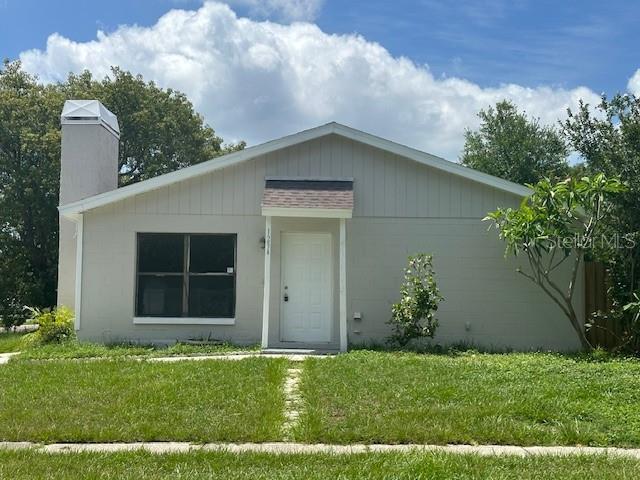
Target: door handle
286	294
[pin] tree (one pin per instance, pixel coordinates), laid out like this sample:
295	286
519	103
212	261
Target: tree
160	132
29	176
511	146
558	224
608	139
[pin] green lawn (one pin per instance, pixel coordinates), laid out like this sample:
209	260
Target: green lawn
127	400
368	397
14	342
522	399
10	342
90	350
19	465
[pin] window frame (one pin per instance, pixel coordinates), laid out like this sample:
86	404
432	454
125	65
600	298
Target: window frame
186	275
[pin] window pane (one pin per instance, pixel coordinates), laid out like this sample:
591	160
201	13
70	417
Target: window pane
160	252
211	296
159	296
212	253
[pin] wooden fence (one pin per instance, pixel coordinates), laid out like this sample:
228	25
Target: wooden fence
604	332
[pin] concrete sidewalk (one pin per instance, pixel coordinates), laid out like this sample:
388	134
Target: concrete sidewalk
301	448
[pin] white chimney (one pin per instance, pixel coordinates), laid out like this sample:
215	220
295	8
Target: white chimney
88	166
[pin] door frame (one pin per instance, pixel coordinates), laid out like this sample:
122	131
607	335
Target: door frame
331	299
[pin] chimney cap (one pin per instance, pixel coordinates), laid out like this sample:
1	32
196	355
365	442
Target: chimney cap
89	112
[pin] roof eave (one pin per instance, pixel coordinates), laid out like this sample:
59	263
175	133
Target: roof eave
230	159
432	160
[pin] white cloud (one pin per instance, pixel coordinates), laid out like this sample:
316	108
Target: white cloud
634	83
257	80
290	10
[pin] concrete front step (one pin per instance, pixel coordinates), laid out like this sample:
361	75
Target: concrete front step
298	351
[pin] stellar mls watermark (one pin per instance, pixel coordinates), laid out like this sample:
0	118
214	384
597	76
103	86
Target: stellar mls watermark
613	241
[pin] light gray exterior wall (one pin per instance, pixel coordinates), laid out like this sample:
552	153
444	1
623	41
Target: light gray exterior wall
109	270
88	166
486	302
401	207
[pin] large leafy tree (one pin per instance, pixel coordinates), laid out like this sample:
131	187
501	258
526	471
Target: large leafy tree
160	132
29	178
608	139
512	146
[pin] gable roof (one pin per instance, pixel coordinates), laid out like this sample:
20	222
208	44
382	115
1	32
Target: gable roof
73	209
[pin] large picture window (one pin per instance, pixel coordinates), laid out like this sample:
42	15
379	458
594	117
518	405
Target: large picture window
186	275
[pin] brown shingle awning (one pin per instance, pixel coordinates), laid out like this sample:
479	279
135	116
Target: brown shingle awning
308	197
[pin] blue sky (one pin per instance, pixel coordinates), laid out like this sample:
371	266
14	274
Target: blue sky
563	43
464	55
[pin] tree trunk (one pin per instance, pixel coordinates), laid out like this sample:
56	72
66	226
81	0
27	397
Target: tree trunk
579	328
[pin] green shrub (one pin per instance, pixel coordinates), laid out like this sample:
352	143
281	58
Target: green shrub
414	316
54	326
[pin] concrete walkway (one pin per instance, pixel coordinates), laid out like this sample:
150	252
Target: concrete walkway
24	328
293	357
4	357
292	402
301	448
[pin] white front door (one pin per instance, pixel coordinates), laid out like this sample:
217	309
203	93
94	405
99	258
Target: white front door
305	295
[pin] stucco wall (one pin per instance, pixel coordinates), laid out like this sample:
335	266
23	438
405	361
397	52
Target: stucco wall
108	282
487	303
88	166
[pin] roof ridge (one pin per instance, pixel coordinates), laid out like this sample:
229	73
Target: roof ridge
72	210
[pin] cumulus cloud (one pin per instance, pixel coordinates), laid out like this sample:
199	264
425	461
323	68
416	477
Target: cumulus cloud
288	10
634	83
258	80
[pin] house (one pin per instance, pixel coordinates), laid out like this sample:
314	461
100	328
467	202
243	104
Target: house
299	242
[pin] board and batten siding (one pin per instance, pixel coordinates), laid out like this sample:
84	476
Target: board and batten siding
401	207
385	185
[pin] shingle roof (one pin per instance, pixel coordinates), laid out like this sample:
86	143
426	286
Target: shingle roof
308	193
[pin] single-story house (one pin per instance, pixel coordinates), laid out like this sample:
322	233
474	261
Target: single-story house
299	242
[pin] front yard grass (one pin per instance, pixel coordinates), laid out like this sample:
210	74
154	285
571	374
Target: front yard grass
19	465
29	350
10	342
128	400
521	399
359	397
75	349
